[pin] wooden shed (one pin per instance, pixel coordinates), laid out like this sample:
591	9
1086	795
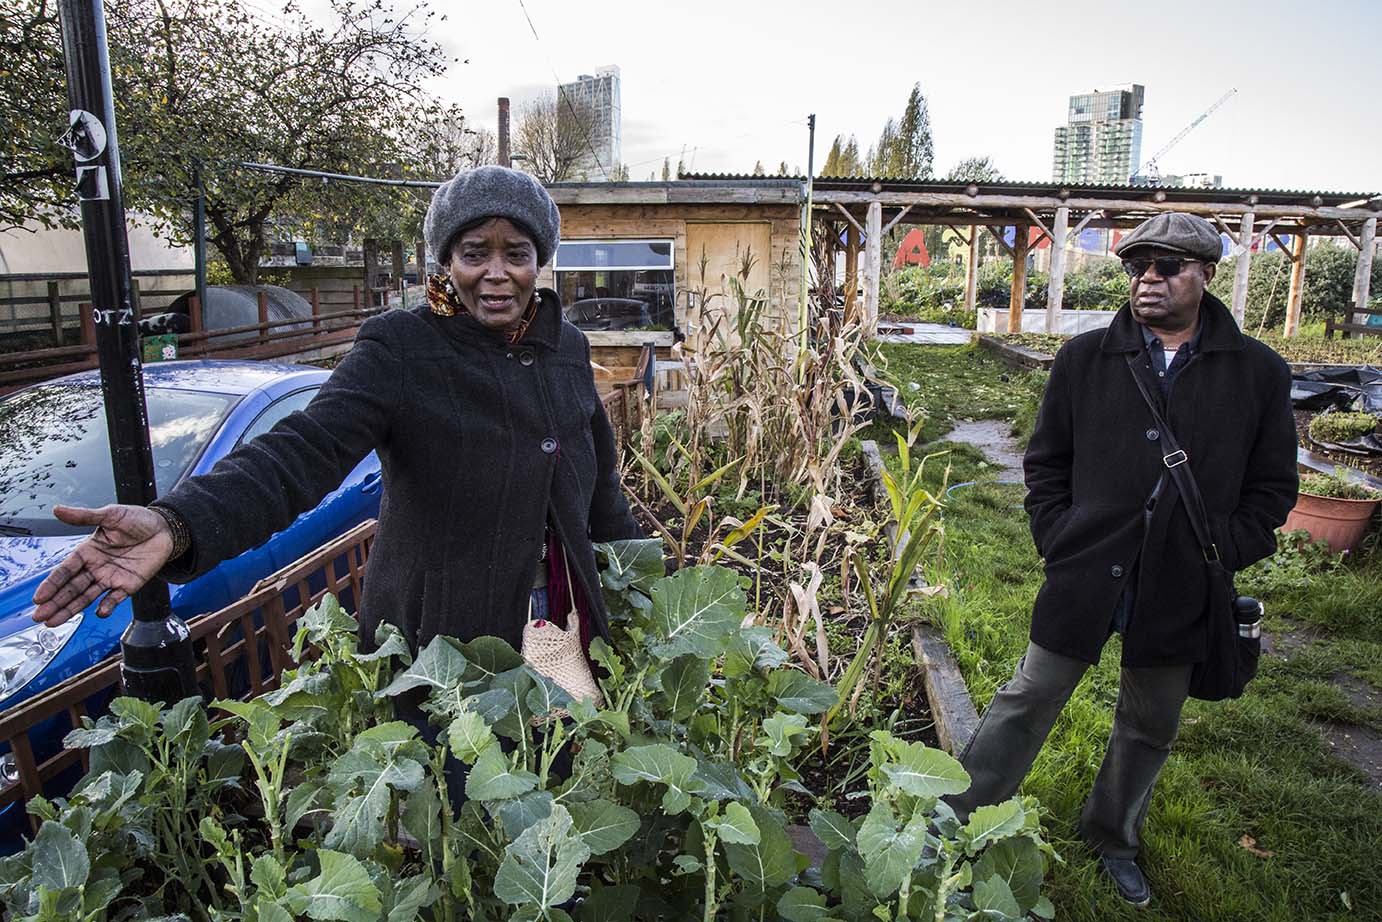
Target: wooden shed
637	258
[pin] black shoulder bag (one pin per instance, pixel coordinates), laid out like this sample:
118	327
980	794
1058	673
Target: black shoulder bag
1234	629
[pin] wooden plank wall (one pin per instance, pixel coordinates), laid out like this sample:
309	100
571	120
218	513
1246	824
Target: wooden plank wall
334	285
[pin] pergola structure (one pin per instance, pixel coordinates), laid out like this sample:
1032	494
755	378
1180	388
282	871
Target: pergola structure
861	211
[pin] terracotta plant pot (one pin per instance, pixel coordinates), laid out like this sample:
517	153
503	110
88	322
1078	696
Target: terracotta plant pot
1340	523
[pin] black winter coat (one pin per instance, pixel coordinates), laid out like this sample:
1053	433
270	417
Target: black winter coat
1095	457
481	444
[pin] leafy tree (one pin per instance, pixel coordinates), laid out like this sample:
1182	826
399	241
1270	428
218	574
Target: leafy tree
207	83
36	177
666	169
553	137
904	149
782	168
758	169
974	169
832	158
850	164
843	158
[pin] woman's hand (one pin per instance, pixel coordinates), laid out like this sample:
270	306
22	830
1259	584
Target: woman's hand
130	545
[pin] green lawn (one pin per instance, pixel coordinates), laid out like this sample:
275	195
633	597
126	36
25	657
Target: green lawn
1254	767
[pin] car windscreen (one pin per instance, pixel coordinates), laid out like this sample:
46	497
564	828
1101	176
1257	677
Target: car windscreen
54	449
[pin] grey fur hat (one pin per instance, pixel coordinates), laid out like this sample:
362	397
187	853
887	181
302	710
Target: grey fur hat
472	196
1176	232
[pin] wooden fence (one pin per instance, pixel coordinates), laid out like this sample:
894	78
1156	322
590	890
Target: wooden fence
242	651
271	339
1349	326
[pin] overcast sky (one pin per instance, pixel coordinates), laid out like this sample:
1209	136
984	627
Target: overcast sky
733	80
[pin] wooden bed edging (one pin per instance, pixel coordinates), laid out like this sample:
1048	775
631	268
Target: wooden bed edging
1017	357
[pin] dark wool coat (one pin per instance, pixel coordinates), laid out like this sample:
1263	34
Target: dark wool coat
1095	457
481	443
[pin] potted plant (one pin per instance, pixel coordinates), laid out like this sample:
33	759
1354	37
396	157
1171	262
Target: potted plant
1333	509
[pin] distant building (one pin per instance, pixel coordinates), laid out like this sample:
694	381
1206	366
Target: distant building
1101	141
599	96
1194	181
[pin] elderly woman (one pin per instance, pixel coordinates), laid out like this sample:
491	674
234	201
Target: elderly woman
498	459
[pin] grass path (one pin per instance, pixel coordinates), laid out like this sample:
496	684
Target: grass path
1257	767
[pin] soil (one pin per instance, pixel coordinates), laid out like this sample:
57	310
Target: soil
1371	464
832	772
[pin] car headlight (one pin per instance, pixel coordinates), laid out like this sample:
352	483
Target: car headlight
24	654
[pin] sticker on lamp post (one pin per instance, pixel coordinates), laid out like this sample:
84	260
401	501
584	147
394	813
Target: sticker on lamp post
86	138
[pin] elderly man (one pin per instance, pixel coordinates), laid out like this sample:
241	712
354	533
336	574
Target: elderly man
1119	549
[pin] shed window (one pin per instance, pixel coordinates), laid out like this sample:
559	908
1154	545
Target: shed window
617	284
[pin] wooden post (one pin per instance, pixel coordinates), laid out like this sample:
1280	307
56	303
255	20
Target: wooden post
972	270
55	313
1362	279
398	265
88	324
315	297
1018	297
1240	274
851	271
1297	290
194	313
136	301
1055	292
371	268
873	265
263	313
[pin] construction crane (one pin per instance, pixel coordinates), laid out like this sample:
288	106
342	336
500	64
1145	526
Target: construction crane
1150	171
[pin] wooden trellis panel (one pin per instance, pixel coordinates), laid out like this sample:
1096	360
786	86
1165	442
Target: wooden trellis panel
248	640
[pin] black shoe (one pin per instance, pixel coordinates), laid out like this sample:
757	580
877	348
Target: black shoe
1127	877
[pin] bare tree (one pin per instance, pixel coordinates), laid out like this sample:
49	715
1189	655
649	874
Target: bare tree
552	138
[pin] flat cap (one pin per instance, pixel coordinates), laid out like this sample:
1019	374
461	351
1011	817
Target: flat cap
472	196
1177	232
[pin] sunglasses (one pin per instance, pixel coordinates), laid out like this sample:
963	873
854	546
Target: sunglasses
1166	266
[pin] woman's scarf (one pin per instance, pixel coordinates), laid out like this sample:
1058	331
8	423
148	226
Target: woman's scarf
442	299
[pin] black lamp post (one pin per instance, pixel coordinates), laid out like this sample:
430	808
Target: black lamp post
157	650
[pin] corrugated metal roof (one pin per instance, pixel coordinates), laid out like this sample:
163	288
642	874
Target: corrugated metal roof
1000	187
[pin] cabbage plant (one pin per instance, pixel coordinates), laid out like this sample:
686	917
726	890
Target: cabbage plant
313	802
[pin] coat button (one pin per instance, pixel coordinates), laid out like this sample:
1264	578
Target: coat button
508	355
1116	571
526	358
549	445
1153	435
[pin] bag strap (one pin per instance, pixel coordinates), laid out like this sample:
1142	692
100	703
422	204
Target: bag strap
1177	465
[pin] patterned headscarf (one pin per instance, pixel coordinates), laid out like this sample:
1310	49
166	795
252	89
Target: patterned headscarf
444	302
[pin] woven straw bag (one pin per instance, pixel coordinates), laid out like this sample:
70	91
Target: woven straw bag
557	653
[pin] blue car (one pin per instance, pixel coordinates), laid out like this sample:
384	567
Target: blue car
54	450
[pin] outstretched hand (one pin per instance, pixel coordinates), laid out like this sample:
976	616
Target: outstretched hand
130	545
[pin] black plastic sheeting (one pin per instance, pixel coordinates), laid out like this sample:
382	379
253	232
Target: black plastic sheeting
1356	389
